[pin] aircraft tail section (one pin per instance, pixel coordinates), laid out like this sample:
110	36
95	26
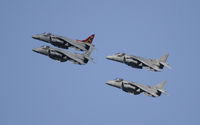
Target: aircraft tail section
161	86
163	60
89	39
88	53
165	64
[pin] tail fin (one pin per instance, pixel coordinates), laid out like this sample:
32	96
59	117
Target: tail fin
89	39
161	86
88	53
163	60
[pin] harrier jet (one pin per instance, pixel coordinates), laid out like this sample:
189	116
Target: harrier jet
62	56
136	88
139	62
65	43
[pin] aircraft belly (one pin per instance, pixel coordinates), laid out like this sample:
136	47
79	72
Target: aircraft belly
133	63
57	56
60	43
131	89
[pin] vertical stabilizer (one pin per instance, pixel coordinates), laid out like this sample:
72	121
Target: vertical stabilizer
88	53
89	39
160	87
164	58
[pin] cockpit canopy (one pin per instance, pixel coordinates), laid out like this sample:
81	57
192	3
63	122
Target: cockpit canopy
46	34
45	47
120	54
118	79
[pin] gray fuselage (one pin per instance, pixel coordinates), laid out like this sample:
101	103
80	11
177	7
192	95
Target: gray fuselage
58	55
61	42
136	62
134	88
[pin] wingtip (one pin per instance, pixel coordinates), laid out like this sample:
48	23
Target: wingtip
169	67
166	93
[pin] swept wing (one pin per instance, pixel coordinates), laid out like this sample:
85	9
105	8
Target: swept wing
146	62
69	55
70	41
144	88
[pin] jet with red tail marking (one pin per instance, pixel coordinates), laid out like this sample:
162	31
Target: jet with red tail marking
64	42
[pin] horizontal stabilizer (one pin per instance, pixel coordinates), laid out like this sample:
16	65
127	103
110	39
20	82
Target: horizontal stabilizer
163	91
165	64
91	45
90	59
161	86
88	53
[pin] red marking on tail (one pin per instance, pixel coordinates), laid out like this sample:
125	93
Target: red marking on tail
88	40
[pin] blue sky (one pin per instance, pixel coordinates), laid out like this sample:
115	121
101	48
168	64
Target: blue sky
35	90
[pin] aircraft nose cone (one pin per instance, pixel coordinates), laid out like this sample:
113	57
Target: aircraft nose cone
36	50
109	82
35	37
109	57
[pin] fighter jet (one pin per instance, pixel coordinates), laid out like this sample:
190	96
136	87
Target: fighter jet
136	88
64	42
63	56
139	62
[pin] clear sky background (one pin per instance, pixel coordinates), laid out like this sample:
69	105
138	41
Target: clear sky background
35	90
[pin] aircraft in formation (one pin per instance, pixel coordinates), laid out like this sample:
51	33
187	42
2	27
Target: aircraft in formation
139	62
136	88
83	58
64	42
63	56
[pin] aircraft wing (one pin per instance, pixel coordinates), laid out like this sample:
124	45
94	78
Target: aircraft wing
142	87
71	42
146	62
69	55
89	44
